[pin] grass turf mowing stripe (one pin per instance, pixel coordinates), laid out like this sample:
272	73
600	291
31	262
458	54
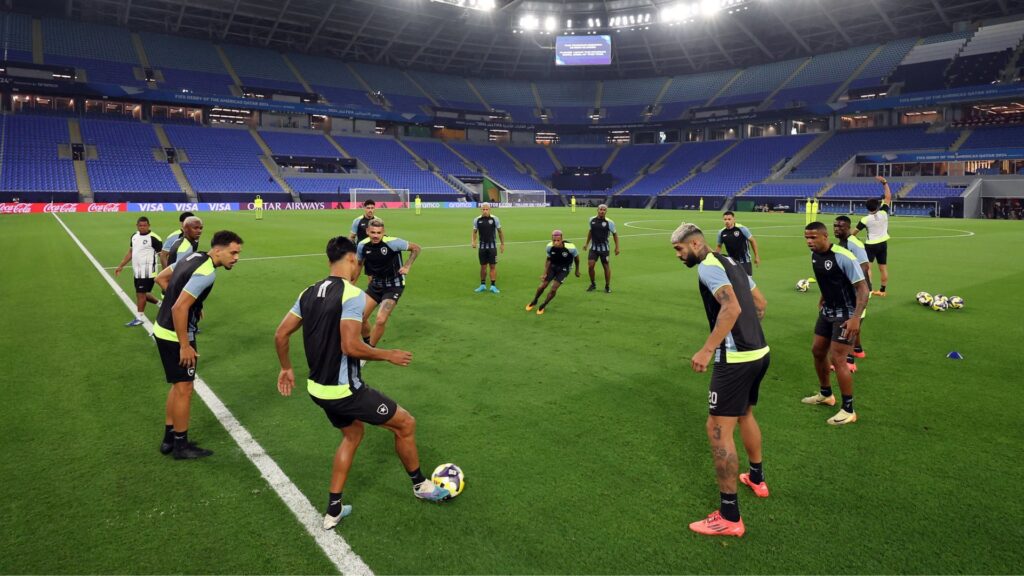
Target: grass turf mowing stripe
333	545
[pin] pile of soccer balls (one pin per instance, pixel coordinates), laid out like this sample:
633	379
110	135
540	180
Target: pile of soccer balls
939	303
803	284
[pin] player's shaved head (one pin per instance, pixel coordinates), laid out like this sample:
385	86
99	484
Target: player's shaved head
689	244
684	231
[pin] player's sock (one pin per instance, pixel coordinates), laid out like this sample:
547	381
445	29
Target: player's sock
850	359
168	433
334	504
417	477
756	472
180	439
730	507
848	403
826	392
493	282
883	288
366	340
858	349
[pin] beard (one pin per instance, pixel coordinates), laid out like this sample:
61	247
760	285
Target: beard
691	260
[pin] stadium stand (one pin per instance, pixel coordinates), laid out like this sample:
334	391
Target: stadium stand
625	100
497	165
125	166
748	162
757	82
449	91
568	102
934	190
105	53
869	189
590	156
536	157
986	54
16	37
223	163
187	64
630	160
782	190
516	98
883	64
394	165
332	80
693	90
925	65
841	147
995	137
821	77
439	155
261	68
310	145
400	92
32	167
678	165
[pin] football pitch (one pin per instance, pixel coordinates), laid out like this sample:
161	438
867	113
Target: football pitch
581	432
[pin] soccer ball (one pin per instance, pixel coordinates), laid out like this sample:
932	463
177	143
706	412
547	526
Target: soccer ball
943	298
956	302
924	299
450	477
802	285
940	304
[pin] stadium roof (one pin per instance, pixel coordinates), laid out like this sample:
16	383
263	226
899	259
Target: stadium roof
436	36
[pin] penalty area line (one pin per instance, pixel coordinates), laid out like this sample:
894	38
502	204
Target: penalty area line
333	544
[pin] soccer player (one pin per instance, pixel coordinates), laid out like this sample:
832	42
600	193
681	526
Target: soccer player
877	224
740	357
187	242
844	295
330	313
143	248
186	285
572	202
258	204
561	256
359	225
736	237
164	254
418	203
381	257
485	226
600	227
841	230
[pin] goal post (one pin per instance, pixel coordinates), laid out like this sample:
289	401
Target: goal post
384	197
525	197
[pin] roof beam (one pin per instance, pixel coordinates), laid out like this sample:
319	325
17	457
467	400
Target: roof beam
273	29
181	14
487	54
1002	6
320	26
718	43
835	24
126	12
396	36
358	33
942	13
885	17
686	52
518	56
437	30
231	19
797	37
465	36
753	38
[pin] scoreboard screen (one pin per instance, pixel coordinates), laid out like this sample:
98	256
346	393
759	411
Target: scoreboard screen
583	50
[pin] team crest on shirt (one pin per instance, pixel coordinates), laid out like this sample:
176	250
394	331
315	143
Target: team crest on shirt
828	264
604	224
736	233
383	250
382	409
191	371
565	254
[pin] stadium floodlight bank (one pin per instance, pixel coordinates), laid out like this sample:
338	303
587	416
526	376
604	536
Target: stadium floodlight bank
525	197
856	206
384	197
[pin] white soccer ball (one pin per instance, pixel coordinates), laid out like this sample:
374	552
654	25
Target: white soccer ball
450	477
925	299
940	304
802	285
956	302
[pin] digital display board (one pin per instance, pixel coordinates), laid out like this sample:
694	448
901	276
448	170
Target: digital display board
583	50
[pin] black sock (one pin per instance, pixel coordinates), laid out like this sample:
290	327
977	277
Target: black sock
366	340
756	473
417	477
826	392
494	282
858	349
483	283
180	439
848	403
168	433
850	359
730	507
334	504
883	287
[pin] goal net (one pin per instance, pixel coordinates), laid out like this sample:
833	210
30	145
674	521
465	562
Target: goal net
525	197
384	197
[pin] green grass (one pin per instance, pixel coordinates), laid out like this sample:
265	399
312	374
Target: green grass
580	432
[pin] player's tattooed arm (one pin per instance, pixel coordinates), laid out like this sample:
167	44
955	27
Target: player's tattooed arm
414	252
727	316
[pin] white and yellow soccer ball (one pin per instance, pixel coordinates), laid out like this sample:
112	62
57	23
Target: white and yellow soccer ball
924	299
940	304
802	285
450	477
956	302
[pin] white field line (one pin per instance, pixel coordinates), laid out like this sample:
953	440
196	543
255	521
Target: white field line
333	544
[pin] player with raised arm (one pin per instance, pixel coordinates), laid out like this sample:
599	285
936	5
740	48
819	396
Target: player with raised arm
877	225
358	232
844	295
486	227
739	354
736	237
186	285
330	313
380	257
561	256
143	248
600	228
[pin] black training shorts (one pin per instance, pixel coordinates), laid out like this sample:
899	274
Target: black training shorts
365	404
878	252
170	356
382	293
747	266
598	255
734	387
557	274
143	285
831	329
488	256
